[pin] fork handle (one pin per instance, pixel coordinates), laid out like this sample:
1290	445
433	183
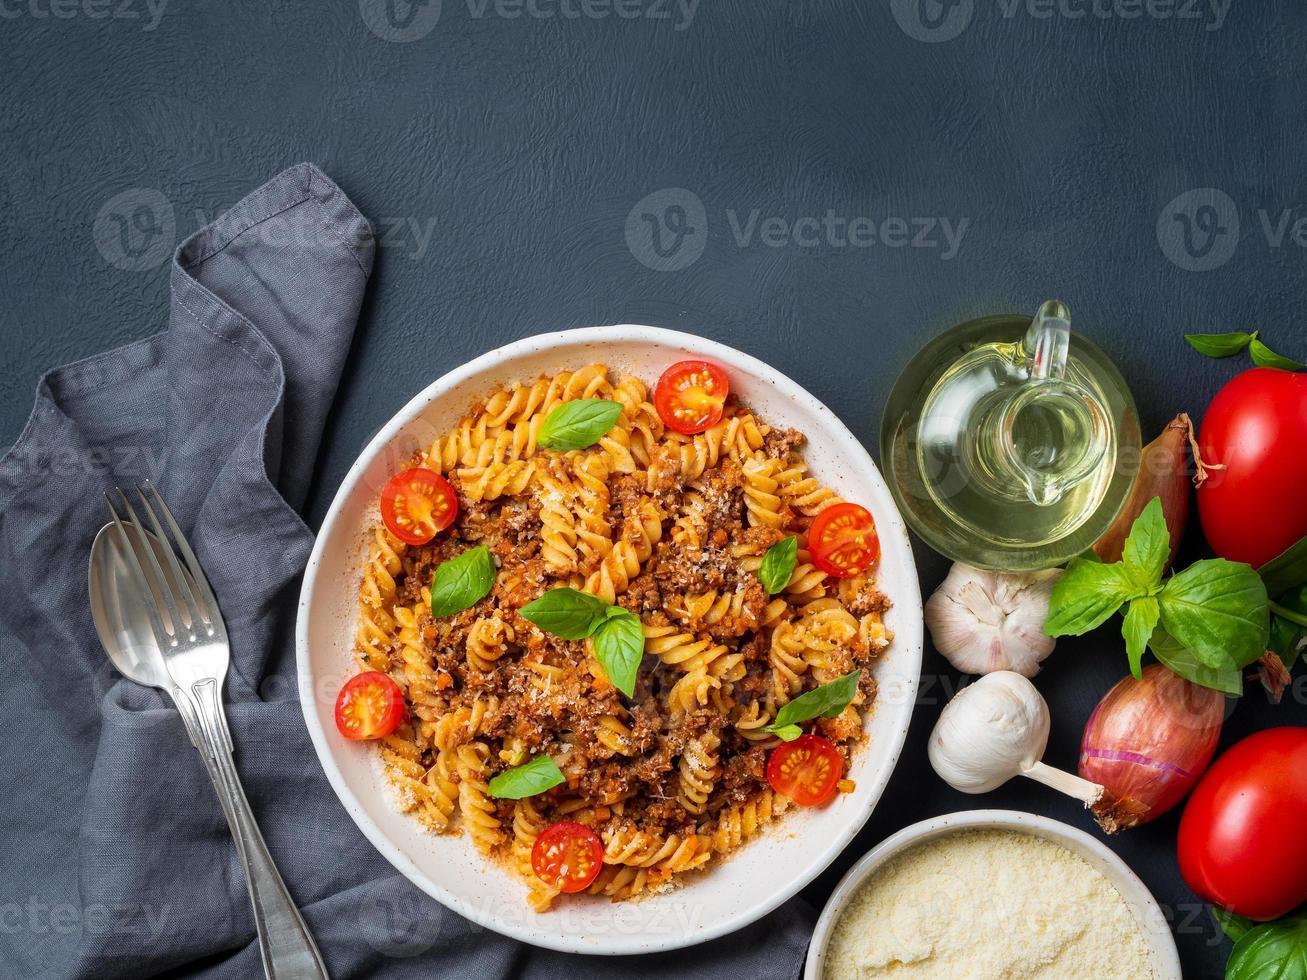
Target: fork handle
285	942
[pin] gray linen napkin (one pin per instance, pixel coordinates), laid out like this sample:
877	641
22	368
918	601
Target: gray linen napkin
116	860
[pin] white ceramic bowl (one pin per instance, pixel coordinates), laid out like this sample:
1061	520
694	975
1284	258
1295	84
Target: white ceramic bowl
1152	923
768	870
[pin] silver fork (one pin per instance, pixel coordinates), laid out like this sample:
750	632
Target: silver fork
186	654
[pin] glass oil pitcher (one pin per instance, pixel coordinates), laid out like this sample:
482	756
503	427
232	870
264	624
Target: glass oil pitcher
1010	443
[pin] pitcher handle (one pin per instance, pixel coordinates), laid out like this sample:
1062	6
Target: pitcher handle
1048	341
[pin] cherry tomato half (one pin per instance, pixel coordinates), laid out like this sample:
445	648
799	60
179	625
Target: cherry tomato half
690	395
370	705
843	540
806	770
1256	427
1240	844
418	504
567	856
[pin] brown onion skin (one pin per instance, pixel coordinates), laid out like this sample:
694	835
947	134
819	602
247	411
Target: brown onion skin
1164	473
1146	744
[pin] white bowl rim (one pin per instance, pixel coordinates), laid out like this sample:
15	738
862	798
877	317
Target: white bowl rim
908	604
1123	879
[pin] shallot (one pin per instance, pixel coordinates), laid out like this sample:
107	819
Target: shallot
1146	743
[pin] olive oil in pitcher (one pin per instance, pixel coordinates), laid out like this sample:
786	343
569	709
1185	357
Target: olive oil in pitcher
1011	443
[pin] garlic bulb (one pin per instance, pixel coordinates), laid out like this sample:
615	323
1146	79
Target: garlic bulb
985	621
994	729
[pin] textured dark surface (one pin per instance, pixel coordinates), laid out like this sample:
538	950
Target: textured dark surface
501	156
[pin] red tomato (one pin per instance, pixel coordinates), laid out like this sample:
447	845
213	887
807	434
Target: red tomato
370	705
1256	427
418	504
806	770
689	396
567	856
1241	842
843	540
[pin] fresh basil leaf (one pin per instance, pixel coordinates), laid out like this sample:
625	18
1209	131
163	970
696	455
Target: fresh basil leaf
1220	344
1147	548
1287	570
1263	356
1273	951
826	701
786	733
619	648
1175	657
1288	631
1234	926
567	613
1086	597
1140	621
578	424
778	564
462	582
528	779
1219	610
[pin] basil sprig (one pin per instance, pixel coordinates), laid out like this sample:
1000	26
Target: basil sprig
1206	623
462	582
1274	949
1229	344
778	564
617	633
528	779
826	701
578	424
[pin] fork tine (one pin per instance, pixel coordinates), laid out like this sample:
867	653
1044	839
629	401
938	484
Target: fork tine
193	563
137	572
165	587
181	589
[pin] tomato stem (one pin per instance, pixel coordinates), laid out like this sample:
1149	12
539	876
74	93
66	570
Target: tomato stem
1289	614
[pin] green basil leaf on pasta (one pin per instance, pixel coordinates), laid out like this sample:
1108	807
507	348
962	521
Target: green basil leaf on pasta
1147	548
1219	610
1263	356
619	648
578	424
567	613
462	582
1141	618
786	733
778	564
1220	344
826	701
1086	597
528	779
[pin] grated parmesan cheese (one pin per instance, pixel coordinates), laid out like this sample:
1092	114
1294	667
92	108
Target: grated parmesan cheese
987	905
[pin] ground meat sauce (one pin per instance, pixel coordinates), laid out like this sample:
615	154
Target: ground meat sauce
568	717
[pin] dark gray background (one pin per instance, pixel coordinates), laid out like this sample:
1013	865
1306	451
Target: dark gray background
500	157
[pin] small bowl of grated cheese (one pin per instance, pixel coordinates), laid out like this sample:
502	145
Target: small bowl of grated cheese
992	895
